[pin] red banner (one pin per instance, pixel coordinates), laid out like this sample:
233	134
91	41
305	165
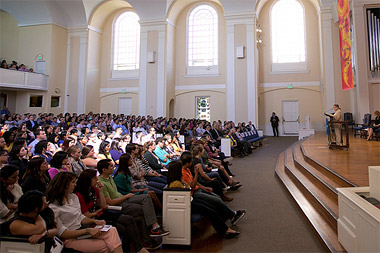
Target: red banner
345	44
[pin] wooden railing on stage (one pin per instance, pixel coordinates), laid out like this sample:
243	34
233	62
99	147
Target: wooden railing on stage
336	145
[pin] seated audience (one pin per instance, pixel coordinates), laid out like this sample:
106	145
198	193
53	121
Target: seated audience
59	163
161	153
375	127
150	156
34	219
88	157
75	160
72	223
10	194
93	205
42	149
198	205
36	176
17	158
139	206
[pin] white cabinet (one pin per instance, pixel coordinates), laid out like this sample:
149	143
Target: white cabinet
177	216
359	221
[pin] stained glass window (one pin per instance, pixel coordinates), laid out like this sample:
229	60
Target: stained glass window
203	108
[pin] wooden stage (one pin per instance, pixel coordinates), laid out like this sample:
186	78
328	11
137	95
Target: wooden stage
351	164
311	173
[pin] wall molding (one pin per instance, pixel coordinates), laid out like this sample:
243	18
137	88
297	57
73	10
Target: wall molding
285	84
200	87
119	89
153	25
92	28
42	23
240	18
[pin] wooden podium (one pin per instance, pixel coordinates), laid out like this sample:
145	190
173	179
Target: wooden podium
333	125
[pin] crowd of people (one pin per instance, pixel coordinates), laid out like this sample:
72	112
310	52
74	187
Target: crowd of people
14	66
66	176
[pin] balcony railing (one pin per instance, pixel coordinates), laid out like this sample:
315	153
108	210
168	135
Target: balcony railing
23	80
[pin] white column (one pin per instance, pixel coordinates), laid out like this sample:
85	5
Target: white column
251	72
82	33
160	27
142	84
161	88
82	73
65	107
328	58
230	70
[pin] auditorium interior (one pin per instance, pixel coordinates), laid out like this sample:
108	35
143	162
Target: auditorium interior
239	65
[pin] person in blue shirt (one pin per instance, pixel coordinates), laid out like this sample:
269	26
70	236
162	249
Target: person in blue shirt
161	153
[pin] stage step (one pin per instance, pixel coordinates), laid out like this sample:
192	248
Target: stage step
329	179
341	181
317	201
326	198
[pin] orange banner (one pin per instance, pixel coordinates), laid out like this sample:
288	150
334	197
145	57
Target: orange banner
345	44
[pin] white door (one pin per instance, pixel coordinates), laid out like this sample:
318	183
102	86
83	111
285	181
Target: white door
125	106
290	117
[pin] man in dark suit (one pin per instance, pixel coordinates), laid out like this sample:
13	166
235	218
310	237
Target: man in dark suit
31	124
274	122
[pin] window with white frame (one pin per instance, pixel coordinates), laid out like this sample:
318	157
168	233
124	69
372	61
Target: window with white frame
202	41
288	36
126	46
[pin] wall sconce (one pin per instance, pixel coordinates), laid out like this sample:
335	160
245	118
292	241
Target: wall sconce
240	52
151	56
259	31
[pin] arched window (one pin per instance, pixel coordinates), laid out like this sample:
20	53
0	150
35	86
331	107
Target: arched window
288	36
202	41
126	45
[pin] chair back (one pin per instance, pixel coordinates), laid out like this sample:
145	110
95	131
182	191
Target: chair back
348	117
367	119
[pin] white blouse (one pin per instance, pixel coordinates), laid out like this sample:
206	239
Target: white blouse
69	216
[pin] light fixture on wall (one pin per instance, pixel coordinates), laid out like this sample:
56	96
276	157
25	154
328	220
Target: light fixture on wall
151	56
240	52
259	31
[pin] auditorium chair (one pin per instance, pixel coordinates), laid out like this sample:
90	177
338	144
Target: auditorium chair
11	244
348	117
358	130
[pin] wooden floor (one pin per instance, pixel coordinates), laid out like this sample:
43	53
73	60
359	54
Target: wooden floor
351	164
311	172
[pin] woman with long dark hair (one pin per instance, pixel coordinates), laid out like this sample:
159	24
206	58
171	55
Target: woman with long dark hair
36	176
72	223
116	150
88	157
41	149
10	192
93	205
104	151
17	158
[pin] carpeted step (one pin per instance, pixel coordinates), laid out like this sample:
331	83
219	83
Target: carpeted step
318	216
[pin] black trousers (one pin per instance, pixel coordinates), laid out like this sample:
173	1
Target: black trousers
275	130
203	207
127	229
